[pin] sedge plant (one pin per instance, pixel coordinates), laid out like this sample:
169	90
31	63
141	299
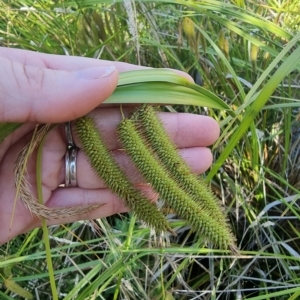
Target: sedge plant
234	50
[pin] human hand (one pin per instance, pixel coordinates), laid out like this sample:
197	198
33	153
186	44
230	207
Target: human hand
40	88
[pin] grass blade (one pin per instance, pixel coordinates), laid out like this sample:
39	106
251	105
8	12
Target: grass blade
287	66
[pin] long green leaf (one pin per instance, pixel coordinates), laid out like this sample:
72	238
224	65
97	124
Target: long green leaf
150	75
165	93
287	66
162	86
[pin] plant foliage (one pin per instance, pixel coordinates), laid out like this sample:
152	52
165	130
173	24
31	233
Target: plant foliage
247	54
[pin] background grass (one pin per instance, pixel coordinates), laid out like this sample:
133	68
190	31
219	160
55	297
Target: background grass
247	53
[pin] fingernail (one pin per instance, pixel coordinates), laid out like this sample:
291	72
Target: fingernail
95	73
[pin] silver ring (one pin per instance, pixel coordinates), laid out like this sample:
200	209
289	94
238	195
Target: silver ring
71	167
70	159
67	169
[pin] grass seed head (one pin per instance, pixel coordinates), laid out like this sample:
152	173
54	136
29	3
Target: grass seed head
177	168
169	190
17	289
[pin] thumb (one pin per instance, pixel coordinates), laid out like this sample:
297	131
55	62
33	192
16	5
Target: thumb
35	94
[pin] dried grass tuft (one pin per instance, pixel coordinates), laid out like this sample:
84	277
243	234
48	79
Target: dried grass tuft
23	190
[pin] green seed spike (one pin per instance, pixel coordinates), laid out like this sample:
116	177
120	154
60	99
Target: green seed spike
165	150
168	189
106	168
17	289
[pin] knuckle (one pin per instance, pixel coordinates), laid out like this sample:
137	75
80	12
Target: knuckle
34	77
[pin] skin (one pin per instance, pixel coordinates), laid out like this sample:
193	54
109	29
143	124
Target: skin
41	88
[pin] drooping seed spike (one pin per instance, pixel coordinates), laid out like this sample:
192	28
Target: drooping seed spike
106	168
169	190
188	27
12	286
166	152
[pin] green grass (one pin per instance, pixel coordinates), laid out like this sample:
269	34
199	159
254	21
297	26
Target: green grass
247	53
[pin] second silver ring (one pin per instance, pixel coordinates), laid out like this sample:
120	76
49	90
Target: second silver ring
70	158
71	167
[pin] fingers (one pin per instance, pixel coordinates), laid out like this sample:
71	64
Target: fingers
199	160
109	203
21	220
185	130
191	133
190	130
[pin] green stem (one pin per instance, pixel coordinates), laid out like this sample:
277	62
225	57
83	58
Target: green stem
44	224
127	244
